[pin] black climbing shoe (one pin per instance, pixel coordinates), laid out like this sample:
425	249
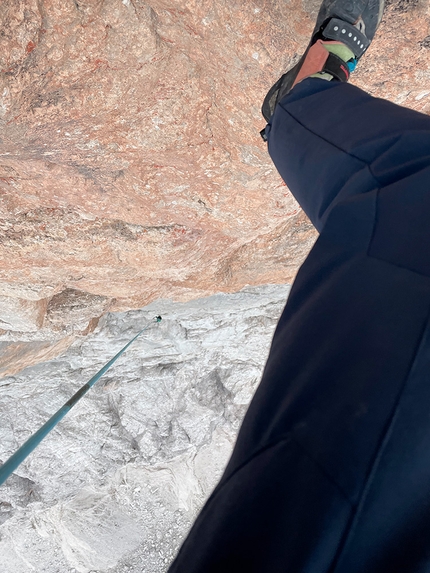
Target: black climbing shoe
352	22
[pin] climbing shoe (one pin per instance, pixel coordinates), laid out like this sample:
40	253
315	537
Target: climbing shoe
343	32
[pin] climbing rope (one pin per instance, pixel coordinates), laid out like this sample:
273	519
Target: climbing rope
19	456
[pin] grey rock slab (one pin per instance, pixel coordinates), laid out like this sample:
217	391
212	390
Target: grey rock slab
116	485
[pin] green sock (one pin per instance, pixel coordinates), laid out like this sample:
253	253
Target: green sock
339	50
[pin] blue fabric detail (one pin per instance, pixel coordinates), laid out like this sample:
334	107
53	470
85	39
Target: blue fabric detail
352	64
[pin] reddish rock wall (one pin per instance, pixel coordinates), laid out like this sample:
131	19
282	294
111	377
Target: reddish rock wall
130	162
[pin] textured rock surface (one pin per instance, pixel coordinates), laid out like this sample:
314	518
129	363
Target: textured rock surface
115	487
22	315
15	356
130	162
131	169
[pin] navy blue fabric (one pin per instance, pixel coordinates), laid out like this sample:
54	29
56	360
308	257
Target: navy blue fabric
331	469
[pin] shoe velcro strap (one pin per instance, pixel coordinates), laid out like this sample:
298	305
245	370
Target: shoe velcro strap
337	68
347	34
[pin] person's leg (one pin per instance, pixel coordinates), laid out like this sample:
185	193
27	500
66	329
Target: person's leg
347	371
330	472
331	140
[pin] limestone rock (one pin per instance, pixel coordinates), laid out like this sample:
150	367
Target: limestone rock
20	314
73	310
115	487
15	356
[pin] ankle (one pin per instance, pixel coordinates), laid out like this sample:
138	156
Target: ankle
341	51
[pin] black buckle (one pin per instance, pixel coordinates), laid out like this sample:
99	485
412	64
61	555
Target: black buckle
337	68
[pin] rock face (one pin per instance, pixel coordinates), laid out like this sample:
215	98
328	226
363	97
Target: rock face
115	487
130	162
22	315
14	356
131	169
